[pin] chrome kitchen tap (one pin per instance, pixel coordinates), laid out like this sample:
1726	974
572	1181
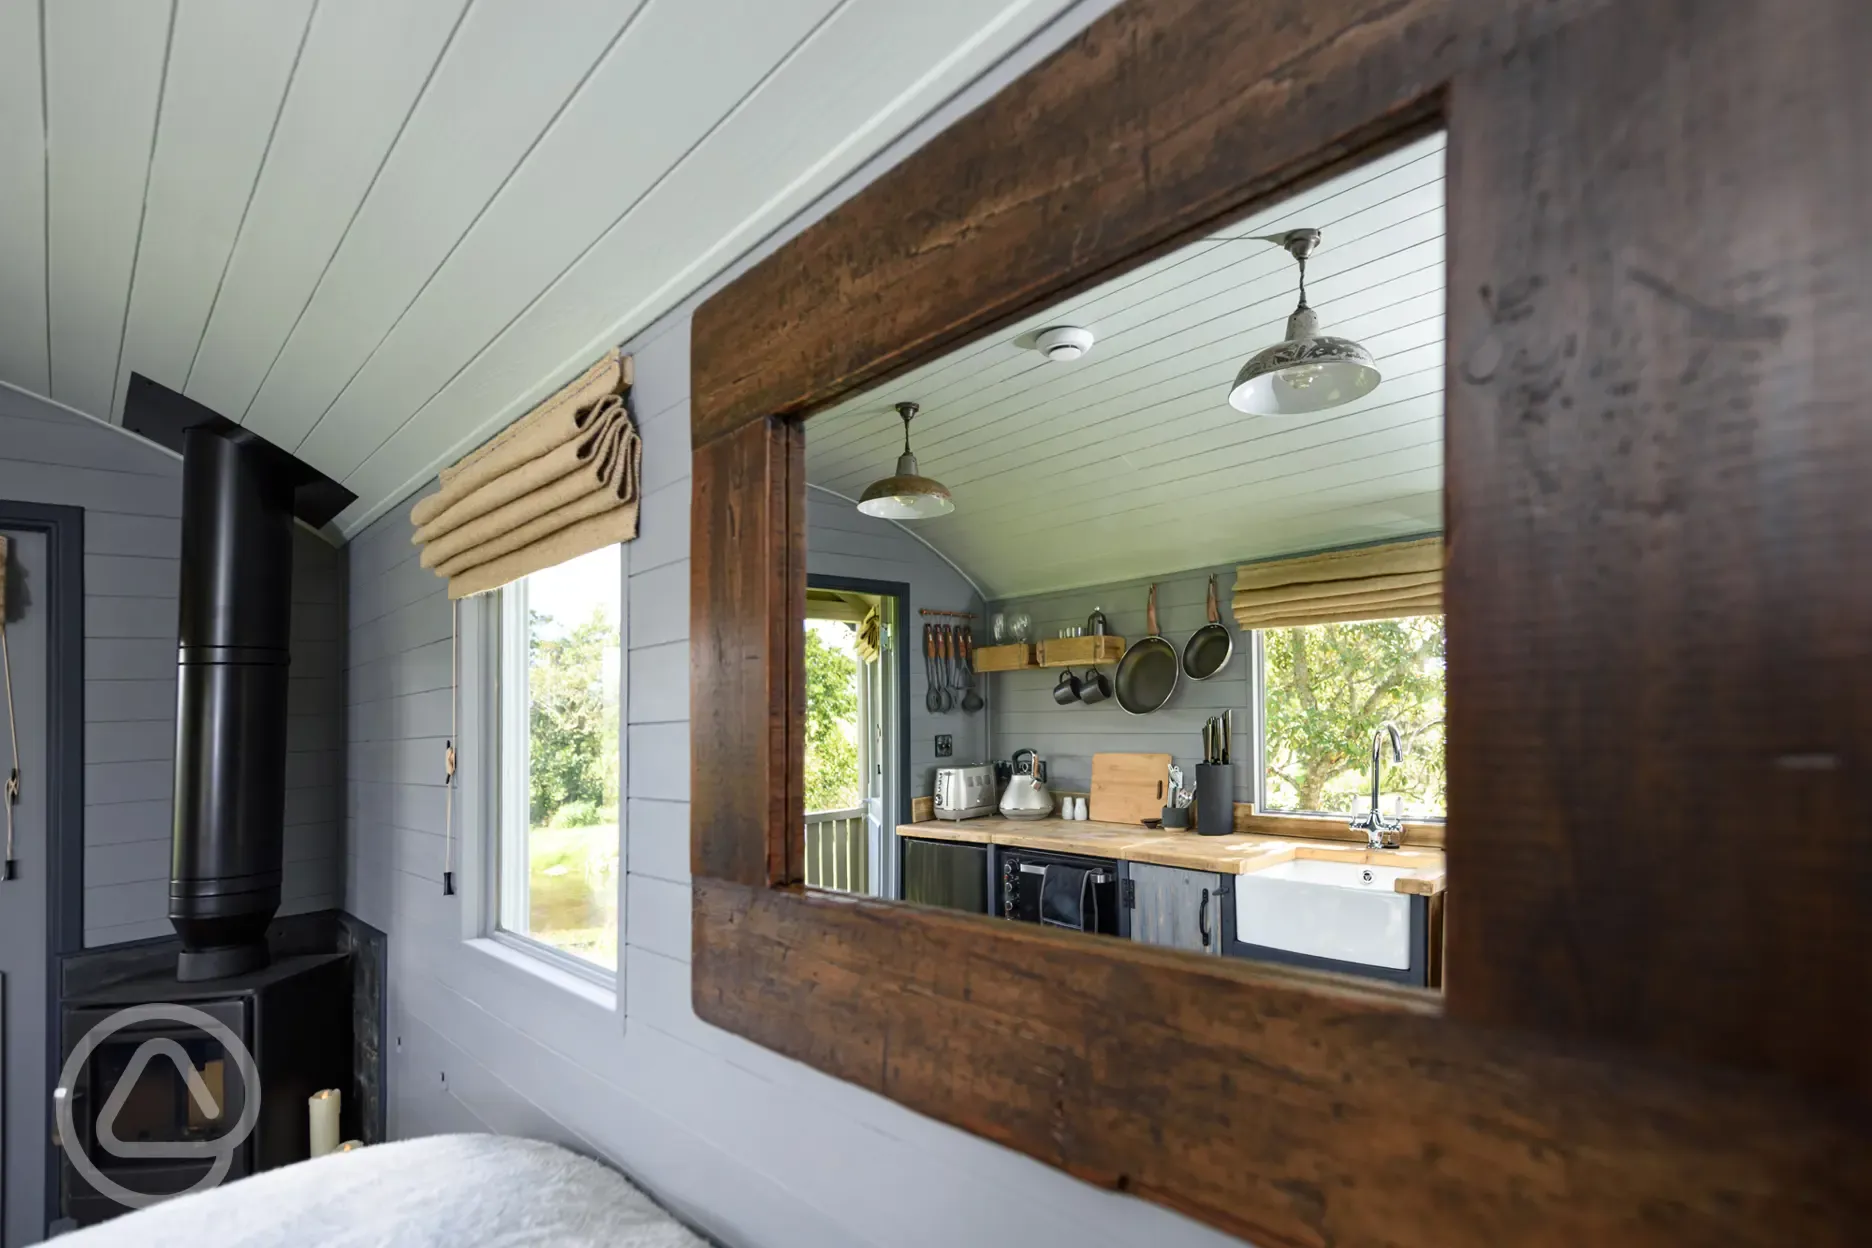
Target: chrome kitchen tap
1381	831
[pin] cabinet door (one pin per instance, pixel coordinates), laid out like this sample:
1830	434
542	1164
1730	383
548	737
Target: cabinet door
944	873
1175	907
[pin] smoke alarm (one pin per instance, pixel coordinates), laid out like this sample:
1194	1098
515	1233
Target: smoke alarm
1067	342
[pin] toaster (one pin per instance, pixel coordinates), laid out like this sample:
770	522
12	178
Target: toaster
965	792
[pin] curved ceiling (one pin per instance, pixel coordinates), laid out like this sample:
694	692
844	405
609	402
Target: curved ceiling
375	233
1129	463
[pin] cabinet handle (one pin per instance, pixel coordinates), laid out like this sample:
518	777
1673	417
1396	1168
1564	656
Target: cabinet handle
1202	918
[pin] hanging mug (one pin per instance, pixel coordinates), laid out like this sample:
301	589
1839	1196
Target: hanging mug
1095	688
1066	692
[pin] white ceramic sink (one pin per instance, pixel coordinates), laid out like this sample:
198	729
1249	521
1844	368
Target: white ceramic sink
1342	910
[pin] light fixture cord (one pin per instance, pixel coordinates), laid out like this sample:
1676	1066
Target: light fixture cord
13	779
1302	260
906	420
448	750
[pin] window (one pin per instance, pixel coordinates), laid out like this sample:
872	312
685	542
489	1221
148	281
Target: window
557	875
1327	688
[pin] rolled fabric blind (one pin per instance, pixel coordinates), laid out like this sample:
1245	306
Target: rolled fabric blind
1369	583
560	482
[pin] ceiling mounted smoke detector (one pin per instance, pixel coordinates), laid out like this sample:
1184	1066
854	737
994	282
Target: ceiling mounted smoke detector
1067	342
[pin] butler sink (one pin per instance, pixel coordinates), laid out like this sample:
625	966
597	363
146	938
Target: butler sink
1346	911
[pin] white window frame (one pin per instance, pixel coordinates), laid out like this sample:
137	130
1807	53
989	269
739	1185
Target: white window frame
504	716
1257	710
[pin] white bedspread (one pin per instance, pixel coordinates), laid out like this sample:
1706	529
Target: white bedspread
445	1191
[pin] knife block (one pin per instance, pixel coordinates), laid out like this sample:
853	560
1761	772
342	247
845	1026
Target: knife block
1215	799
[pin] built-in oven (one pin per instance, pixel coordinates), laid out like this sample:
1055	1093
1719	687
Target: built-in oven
1072	891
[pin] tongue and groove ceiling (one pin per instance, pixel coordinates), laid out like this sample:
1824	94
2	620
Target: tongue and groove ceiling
1129	463
375	232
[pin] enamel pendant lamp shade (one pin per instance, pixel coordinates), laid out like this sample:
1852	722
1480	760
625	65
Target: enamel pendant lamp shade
907	494
1309	371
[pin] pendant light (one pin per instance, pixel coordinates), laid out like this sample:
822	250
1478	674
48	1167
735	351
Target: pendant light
906	495
1309	371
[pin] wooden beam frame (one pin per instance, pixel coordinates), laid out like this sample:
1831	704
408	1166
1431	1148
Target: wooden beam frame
1661	655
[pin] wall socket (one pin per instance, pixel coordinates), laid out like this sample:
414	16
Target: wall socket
945	745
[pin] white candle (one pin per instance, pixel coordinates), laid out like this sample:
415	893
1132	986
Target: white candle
323	1107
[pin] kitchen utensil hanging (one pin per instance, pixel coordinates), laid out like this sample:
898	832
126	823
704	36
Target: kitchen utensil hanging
946	695
932	698
1210	647
972	699
1147	674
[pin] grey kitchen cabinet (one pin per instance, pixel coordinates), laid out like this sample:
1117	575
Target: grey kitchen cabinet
1176	907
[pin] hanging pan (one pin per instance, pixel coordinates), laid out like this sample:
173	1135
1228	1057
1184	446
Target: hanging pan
1209	648
1147	674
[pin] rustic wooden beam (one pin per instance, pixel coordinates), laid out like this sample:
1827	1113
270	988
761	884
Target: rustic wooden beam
1659	589
1276	1106
747	596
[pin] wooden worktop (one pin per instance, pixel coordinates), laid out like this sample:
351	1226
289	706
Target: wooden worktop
1238	854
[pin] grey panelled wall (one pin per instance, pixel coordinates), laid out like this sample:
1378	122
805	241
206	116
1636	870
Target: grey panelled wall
1067	736
756	1149
131	493
843	541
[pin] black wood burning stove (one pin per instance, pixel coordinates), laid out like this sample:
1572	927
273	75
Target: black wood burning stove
295	1017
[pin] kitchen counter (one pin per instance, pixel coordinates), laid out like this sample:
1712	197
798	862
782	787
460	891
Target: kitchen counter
1239	854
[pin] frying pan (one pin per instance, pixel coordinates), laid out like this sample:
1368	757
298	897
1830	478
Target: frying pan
1147	674
1209	648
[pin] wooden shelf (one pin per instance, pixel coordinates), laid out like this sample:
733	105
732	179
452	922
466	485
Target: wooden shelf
1078	651
1003	658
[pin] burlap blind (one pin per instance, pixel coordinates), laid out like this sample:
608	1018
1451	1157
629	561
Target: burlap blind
558	483
1370	583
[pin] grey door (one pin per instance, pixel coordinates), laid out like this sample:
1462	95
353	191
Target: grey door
1178	908
23	902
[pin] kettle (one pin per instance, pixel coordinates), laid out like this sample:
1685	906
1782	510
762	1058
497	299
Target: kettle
1026	795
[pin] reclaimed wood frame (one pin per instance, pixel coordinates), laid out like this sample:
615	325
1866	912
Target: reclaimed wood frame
1660	682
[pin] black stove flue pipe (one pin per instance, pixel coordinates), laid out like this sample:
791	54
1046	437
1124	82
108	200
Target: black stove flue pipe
233	656
240	495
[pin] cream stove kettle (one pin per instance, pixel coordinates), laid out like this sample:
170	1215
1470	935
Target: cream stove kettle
1026	795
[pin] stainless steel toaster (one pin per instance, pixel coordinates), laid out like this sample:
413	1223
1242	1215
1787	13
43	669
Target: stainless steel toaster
965	792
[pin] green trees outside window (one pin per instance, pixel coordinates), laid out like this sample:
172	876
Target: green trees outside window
1329	687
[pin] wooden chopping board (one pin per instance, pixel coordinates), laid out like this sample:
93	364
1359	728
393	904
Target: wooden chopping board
1129	788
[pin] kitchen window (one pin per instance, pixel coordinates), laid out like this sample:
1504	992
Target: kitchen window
1326	690
556	869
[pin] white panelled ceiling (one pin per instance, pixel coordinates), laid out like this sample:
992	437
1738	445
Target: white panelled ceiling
1129	462
376	232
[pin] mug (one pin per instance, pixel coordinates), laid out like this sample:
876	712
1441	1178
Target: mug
1096	687
1066	692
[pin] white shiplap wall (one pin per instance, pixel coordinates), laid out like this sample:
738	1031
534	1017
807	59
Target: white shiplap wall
131	494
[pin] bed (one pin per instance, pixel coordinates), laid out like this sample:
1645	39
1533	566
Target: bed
449	1191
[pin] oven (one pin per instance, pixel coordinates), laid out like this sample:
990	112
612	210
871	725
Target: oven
1072	891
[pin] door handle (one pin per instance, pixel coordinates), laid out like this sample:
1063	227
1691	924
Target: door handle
1202	918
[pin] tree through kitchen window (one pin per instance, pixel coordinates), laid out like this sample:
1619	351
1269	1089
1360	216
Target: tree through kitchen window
1328	688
